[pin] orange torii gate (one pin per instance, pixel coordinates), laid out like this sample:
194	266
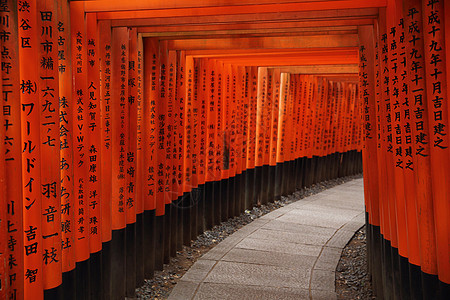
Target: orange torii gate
176	115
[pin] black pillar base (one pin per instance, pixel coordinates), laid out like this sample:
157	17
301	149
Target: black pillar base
95	275
249	188
185	206
231	197
243	175
118	268
217	201
277	186
159	242
69	287
225	186
140	249
55	293
130	261
271	185
180	223
198	211
264	184
257	190
237	195
394	277
149	243
167	232
208	211
174	232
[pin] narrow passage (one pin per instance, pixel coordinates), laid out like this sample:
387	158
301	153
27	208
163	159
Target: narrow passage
290	253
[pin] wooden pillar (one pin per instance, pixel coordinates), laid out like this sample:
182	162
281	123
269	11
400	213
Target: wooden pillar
3	207
50	153
119	126
94	139
259	146
104	41
150	84
141	181
31	158
434	36
13	279
251	135
66	130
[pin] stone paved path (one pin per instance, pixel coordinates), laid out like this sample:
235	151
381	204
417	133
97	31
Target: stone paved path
290	253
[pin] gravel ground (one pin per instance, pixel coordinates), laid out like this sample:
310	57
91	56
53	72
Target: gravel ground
352	279
160	286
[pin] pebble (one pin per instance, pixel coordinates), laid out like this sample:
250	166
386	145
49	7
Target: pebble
352	278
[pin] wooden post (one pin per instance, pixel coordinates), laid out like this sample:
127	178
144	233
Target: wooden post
130	164
371	139
50	153
259	146
171	134
434	36
141	181
3	207
410	175
251	134
119	95
104	41
13	287
150	85
66	130
31	159
94	136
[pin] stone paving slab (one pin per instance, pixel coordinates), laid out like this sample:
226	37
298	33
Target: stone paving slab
328	259
276	213
339	205
259	275
322	280
269	258
199	270
335	208
248	292
290	253
306	238
184	290
298	228
281	247
322	295
319	219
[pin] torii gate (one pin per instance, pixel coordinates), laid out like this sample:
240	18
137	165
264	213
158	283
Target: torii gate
163	103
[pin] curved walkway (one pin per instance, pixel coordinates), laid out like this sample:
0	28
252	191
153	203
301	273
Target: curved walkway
290	253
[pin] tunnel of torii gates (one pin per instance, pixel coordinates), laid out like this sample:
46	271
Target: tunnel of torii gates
130	127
